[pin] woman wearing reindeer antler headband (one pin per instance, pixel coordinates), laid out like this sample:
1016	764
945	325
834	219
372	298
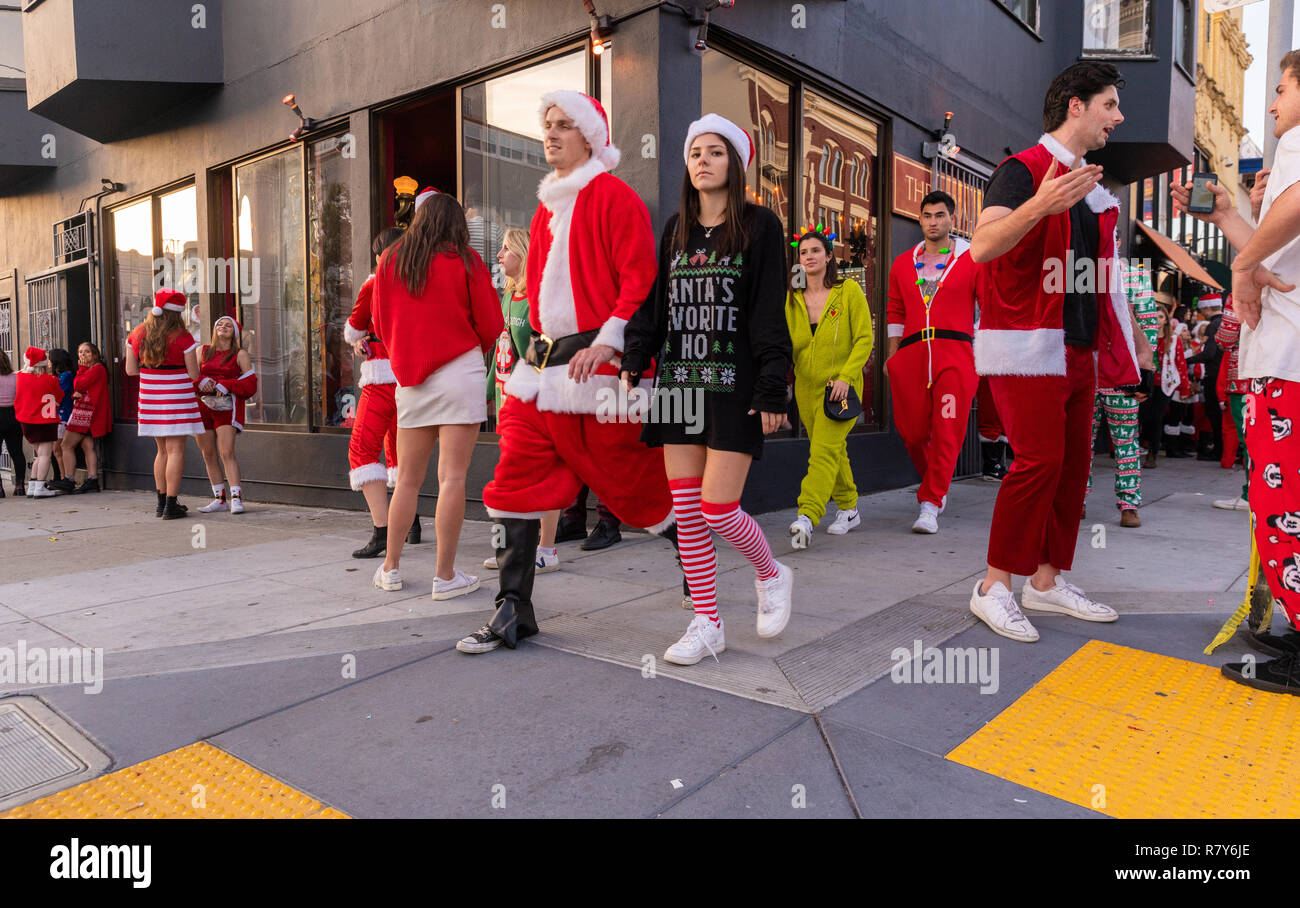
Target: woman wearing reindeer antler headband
715	321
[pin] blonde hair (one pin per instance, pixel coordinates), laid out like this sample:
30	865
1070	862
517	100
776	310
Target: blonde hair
516	240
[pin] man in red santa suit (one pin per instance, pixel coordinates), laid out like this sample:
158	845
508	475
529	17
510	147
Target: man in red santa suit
1054	324
375	425
930	320
591	257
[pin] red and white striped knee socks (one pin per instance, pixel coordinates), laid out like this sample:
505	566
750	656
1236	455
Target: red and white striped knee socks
695	545
738	528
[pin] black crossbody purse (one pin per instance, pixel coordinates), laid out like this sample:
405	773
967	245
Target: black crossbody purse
850	408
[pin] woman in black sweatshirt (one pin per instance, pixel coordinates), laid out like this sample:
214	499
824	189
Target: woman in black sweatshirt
715	322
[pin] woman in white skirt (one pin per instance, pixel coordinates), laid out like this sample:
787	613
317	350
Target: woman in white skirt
162	353
435	309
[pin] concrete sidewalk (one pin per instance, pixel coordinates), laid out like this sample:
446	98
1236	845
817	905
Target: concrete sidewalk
231	629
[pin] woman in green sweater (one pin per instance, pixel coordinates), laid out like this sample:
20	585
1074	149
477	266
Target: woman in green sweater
513	259
830	328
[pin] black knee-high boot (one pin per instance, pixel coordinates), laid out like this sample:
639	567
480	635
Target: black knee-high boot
671	535
517	565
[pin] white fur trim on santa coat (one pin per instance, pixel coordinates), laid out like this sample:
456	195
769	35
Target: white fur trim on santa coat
352	335
377	372
1040	351
588	120
554	392
611	333
555	306
1099	198
392	477
516	515
1119	303
367	472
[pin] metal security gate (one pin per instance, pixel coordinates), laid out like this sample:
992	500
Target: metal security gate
44	310
7	345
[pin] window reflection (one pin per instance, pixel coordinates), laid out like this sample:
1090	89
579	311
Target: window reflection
179	244
133	287
334	391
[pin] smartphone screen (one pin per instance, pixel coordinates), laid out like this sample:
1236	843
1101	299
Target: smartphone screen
1202	199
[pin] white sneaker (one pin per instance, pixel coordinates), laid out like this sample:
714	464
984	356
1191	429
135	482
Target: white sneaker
387	580
1233	504
845	521
702	637
1065	599
928	520
943	504
38	489
547	561
236	504
801	532
997	608
490	563
216	505
774	601
459	584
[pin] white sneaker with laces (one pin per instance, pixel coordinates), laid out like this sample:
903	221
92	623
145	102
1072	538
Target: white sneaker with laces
774	601
702	638
845	521
217	504
490	563
997	608
387	580
459	585
801	532
1065	599
547	561
928	520
236	504
943	504
1232	504
38	488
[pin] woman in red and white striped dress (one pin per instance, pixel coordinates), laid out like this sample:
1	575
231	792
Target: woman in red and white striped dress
163	354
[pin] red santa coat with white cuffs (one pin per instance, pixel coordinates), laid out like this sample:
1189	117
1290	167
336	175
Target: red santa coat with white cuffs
592	217
375	427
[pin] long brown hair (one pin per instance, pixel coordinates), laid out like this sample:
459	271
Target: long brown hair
832	275
231	352
6	367
438	226
733	236
158	332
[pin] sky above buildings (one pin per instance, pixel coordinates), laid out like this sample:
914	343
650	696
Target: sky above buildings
1258	95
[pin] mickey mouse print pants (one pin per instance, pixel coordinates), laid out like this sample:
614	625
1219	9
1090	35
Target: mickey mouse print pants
1272	417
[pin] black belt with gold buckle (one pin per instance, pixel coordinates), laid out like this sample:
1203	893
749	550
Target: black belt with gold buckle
935	334
544	351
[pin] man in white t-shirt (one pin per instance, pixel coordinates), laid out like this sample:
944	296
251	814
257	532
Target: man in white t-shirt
1265	296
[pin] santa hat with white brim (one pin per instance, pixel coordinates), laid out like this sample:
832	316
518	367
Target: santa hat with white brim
586	114
720	125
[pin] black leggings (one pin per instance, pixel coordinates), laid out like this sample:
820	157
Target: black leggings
11	433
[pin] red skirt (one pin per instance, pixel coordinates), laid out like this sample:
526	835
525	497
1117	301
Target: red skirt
168	403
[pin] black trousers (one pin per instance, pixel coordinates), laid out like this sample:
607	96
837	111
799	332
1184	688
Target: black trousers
11	433
1151	419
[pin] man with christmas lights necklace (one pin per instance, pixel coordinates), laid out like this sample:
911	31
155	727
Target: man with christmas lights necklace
931	367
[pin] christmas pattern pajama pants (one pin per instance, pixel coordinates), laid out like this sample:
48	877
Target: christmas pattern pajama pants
1272	418
1118	411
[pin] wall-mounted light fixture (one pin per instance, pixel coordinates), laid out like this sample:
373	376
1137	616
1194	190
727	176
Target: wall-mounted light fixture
305	123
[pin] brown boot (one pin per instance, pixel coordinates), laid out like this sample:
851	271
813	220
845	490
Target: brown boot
1149	462
1128	517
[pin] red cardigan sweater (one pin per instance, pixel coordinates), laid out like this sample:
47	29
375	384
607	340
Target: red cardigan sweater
454	313
93	382
36	400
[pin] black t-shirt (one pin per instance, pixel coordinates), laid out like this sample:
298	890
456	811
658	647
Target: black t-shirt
1010	187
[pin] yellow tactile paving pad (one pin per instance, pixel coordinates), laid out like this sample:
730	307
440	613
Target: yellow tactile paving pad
195	782
1138	735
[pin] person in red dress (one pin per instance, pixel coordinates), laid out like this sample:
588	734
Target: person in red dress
163	354
226	380
90	386
36	405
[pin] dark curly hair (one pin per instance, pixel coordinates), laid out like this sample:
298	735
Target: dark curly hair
1082	80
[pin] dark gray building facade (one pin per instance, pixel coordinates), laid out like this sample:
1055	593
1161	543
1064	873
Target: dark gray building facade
147	141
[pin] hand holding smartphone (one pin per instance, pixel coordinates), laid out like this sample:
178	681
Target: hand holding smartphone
1202	197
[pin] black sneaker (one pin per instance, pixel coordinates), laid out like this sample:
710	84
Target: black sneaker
483	640
1275	645
90	485
1280	675
602	537
64	485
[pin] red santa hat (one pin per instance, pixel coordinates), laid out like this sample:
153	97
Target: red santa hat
235	324
1210	301
428	193
586	114
34	356
720	125
167	299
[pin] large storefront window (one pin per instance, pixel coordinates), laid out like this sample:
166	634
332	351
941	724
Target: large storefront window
273	286
502	158
330	260
154	243
759	103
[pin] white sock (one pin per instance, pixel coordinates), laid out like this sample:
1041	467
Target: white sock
218	491
235	492
545	550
